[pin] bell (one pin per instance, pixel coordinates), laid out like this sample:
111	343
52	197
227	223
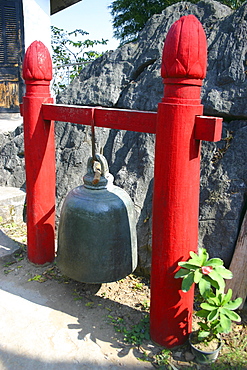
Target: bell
97	231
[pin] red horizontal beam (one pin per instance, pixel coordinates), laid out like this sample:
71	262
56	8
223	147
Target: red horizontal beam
208	128
120	119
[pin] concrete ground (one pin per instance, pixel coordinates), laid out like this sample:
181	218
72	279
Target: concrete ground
55	324
58	324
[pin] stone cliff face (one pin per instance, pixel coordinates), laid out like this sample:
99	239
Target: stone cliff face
129	77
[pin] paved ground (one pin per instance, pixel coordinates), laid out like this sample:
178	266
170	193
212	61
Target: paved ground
58	325
55	325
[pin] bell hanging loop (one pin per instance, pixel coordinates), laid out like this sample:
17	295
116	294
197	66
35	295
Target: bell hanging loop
93	136
96	164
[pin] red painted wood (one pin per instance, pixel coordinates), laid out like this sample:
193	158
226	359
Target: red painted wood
176	180
67	113
177	166
39	155
208	128
120	119
185	50
124	119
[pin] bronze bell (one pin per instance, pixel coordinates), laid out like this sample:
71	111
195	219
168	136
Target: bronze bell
97	230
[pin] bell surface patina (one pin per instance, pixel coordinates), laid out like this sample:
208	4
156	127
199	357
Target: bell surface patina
97	229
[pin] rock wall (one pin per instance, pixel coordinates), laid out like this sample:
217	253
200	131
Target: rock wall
129	77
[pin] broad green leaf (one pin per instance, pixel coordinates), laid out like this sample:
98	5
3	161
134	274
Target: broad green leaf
211	294
204	287
207	306
216	277
202	313
223	272
220	295
214	300
195	258
187	282
231	314
181	273
197	277
203	334
188	265
194	255
214	262
225	323
203	254
211	281
233	305
227	297
215	324
213	315
219	328
203	326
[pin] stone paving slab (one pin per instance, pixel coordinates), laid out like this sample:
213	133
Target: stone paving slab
11	204
45	326
42	328
8	247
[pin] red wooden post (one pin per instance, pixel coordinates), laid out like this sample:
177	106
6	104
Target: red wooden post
179	129
176	179
39	155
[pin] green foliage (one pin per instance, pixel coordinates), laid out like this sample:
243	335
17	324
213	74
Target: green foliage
137	334
162	358
235	353
138	286
216	307
234	4
70	48
205	272
66	50
39	278
129	17
217	312
89	304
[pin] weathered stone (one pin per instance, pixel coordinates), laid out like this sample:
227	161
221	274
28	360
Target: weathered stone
12	164
223	190
8	248
129	77
225	91
12	202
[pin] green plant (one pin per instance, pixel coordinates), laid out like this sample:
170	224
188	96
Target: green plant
163	357
129	17
89	304
235	351
72	50
138	286
205	272
217	312
39	278
216	307
145	305
137	334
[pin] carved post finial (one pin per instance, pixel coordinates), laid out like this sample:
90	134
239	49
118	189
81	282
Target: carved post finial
185	50
37	63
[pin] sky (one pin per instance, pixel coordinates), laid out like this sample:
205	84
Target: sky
92	16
